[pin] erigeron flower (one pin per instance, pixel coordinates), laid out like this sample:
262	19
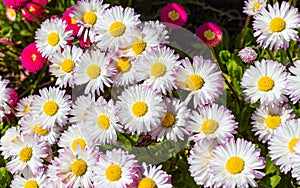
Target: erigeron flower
6	143
79	108
29	180
24	105
293	84
253	7
247	55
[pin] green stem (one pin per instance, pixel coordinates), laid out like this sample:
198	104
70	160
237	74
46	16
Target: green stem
33	16
233	92
290	57
244	32
129	3
270	54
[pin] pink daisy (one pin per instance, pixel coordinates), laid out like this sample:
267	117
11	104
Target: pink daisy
37	10
32	59
175	14
11	14
71	22
210	33
247	55
13	98
16	4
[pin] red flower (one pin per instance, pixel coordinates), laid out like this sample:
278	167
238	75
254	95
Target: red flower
210	33
175	14
32	59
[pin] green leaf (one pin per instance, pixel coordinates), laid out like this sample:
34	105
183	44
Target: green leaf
270	167
224	56
5	177
25	33
275	180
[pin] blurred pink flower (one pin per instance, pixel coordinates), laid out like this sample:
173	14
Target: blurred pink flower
37	10
247	55
71	22
32	59
16	4
210	33
175	14
11	14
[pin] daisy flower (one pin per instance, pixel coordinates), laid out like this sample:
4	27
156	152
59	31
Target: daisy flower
29	126
86	14
24	105
152	176
293	84
202	79
54	184
126	73
27	154
72	24
75	137
15	4
75	168
247	55
36	8
63	65
116	169
174	15
28	180
265	81
282	142
236	164
11	14
102	122
295	158
213	122
199	162
79	108
6	143
141	109
145	38
160	28
210	33
276	26
4	98
52	37
94	69
115	27
32	59
266	119
253	7
157	68
51	107
174	124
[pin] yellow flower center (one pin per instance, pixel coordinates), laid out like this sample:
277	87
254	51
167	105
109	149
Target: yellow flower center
113	172
11	12
90	17
256	6
67	65
25	154
277	24
173	15
139	109
50	108
117	29
209	34
209	126
138	46
33	57
80	142
158	69
235	165
39	130
79	167
103	122
273	121
169	120
53	38
31	184
265	83
73	21
292	143
27	108
31	9
123	65
146	183
93	71
195	82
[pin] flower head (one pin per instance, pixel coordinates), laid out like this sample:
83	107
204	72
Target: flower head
72	24
247	54
210	33
35	8
15	4
175	14
11	14
32	59
253	7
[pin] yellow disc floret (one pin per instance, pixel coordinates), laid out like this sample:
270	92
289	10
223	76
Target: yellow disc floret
90	17
265	83
67	65
53	38
39	130
277	24
113	172
50	108
158	69
273	121
25	154
138	46
146	183
195	82
209	126
79	167
80	142
139	109
117	29
31	184
235	165
169	120
103	122
123	65
93	71
292	143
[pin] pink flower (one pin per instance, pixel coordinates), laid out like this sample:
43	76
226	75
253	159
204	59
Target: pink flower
13	98
32	59
210	33
16	4
36	10
174	13
71	22
247	55
11	14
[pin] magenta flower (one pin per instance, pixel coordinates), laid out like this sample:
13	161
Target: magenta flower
32	59
71	22
175	14
37	11
210	33
15	4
